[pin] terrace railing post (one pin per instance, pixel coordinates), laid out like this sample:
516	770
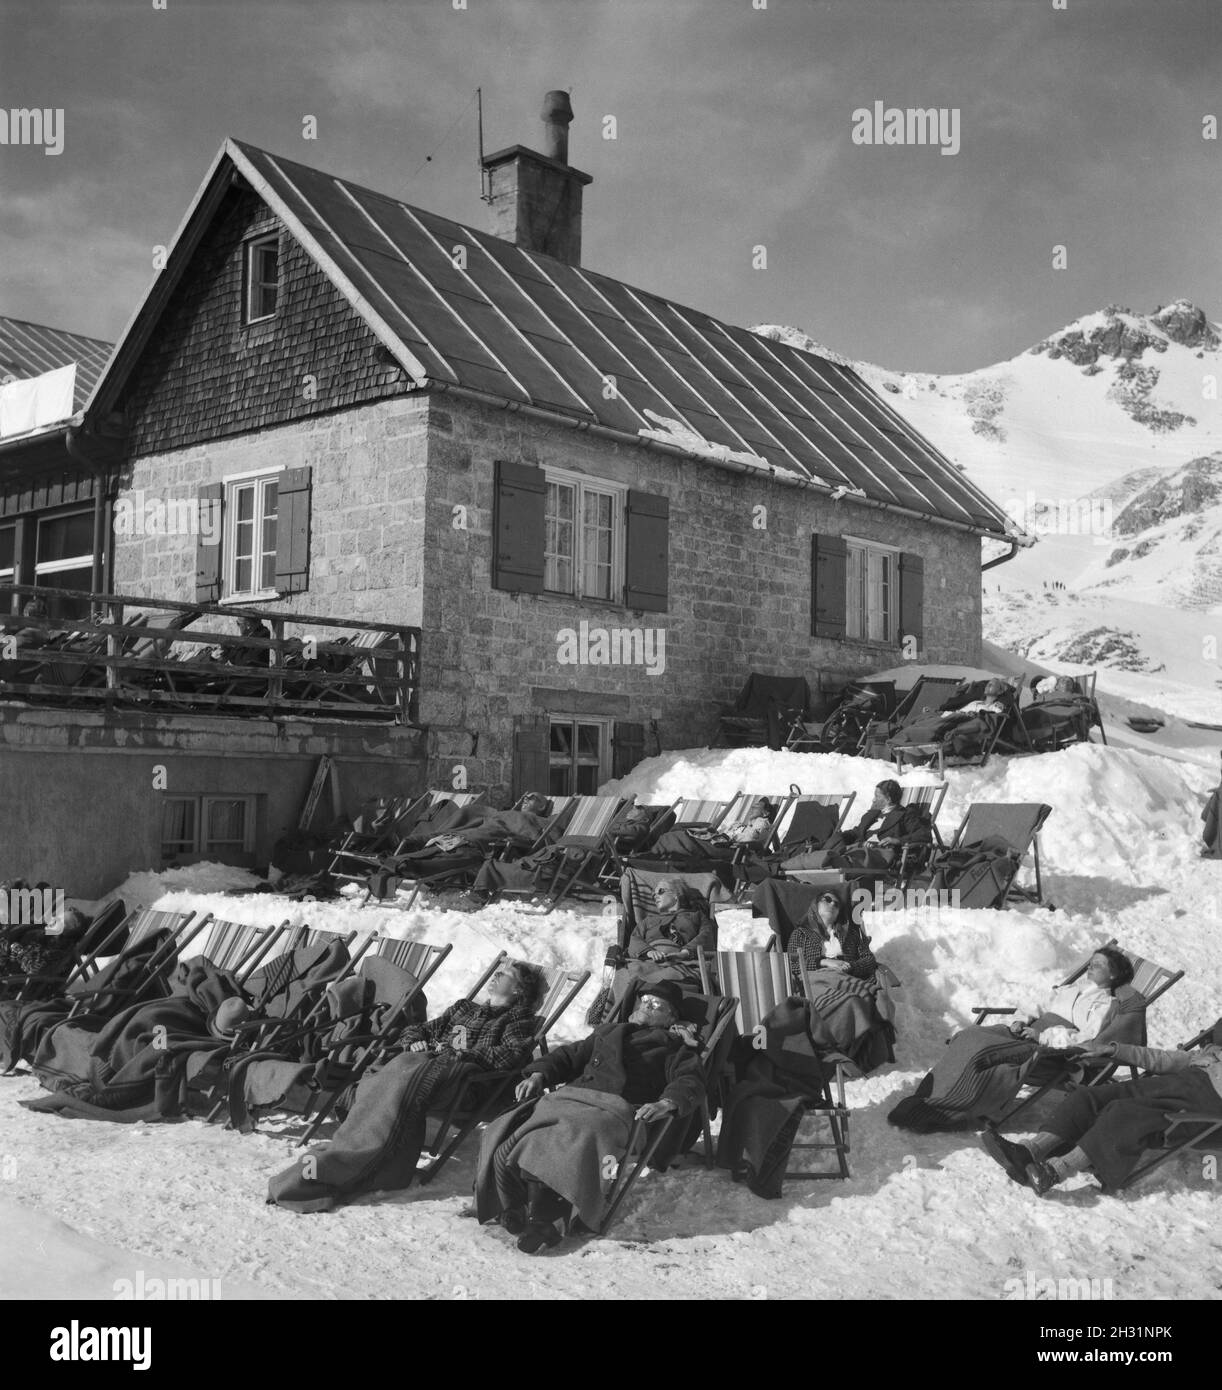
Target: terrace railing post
114	644
275	680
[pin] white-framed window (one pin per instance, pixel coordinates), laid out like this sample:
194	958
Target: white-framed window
262	277
584	538
579	754
873	591
250	537
207	825
63	558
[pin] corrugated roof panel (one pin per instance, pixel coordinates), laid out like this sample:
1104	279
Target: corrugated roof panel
30	349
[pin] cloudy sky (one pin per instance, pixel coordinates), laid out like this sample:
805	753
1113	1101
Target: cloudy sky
1079	127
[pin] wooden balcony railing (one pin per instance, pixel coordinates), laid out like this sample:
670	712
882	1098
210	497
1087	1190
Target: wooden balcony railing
314	668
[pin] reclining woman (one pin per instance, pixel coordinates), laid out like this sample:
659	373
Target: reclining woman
666	943
960	723
828	938
878	839
984	1068
550	1153
379	1143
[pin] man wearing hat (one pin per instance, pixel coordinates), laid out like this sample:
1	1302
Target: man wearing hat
565	1147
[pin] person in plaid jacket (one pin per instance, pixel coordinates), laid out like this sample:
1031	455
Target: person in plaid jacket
379	1143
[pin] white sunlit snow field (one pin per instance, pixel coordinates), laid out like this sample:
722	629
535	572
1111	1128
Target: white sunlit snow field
86	1204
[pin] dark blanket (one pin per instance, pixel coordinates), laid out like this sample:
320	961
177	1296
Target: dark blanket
784	1077
561	1139
115	1068
976	1080
24	1023
379	1144
980	873
852	1018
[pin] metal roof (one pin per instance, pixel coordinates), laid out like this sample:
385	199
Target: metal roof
519	327
29	349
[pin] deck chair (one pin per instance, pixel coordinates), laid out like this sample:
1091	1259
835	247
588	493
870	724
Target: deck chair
1052	722
764	711
660	1143
1150	980
588	849
760	981
1005	833
914	858
843	728
926	697
240	947
686	813
32	985
385	829
478	1098
1189	1130
391	979
95	998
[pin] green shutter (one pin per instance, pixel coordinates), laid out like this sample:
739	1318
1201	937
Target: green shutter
646	568
293	531
828	586
518	528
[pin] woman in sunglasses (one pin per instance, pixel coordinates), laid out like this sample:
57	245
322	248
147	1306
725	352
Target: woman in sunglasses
828	938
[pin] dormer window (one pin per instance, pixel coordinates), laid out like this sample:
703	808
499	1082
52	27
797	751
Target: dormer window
262	277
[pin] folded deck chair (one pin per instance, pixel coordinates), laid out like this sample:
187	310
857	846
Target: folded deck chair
479	1097
1189	1130
982	862
367	1014
660	1143
1150	980
760	981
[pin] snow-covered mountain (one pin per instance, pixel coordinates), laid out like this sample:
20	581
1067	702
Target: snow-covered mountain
1105	441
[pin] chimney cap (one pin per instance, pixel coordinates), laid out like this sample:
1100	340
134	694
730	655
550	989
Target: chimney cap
516	151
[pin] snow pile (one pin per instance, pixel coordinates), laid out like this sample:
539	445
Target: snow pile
926	1216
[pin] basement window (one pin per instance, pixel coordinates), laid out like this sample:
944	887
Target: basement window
579	755
207	825
262	278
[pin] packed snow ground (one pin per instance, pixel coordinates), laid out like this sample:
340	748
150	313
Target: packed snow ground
84	1204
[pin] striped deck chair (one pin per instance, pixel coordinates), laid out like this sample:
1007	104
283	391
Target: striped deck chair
692	811
687	813
344	1056
926	697
181	929
239	946
661	1142
588	848
1187	1130
760	981
1150	980
914	858
480	1097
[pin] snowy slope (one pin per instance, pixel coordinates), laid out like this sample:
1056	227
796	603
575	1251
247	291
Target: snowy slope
920	1217
1105	441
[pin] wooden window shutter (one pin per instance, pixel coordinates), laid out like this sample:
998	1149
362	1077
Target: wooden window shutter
912	598
627	748
518	529
293	531
828	586
208	551
531	754
647	563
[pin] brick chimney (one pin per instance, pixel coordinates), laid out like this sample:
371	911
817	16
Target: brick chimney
535	199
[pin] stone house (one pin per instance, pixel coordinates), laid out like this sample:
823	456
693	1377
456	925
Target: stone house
600	508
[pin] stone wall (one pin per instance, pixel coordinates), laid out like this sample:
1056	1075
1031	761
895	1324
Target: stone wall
739	597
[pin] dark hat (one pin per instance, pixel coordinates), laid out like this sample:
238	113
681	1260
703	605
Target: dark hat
664	989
